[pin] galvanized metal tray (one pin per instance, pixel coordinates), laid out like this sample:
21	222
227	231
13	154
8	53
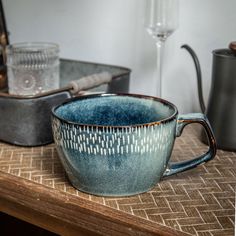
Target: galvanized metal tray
26	121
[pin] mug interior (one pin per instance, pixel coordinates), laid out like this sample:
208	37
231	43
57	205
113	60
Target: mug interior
115	110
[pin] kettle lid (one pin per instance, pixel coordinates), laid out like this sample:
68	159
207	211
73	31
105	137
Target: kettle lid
230	52
232	47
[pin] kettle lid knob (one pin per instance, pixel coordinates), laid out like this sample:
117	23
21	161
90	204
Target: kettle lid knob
232	46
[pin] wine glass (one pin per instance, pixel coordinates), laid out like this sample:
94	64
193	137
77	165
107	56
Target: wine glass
161	20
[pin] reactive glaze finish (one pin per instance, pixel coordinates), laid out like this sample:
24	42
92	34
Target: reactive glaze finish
115	145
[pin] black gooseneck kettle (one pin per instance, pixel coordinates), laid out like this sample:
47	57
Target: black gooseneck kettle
221	109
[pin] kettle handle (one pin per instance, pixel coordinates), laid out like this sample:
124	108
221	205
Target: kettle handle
199	75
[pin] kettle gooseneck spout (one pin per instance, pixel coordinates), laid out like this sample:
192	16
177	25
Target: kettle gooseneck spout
199	75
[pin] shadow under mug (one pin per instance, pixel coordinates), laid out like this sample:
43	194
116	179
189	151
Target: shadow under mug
120	144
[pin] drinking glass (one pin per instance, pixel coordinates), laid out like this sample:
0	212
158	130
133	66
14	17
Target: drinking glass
32	68
161	20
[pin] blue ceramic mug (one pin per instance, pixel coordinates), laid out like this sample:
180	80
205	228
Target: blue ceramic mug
120	144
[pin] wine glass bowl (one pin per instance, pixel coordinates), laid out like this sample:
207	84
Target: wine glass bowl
161	18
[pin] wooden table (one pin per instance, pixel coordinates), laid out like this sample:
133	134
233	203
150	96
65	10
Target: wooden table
34	188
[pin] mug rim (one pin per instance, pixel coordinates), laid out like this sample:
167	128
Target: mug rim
161	100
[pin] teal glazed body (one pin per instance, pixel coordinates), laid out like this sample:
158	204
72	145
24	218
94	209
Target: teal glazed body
116	145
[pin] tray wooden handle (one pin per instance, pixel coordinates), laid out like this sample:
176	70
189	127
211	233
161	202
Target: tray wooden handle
89	82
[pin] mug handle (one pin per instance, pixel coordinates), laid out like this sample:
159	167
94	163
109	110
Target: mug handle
182	121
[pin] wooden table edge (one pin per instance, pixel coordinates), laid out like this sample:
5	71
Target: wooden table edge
68	214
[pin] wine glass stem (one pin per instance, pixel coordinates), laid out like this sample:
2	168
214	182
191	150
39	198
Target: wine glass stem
160	48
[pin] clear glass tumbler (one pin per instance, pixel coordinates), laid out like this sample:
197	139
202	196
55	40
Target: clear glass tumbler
32	68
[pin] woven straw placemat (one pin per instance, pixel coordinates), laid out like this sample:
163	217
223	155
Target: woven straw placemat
200	201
